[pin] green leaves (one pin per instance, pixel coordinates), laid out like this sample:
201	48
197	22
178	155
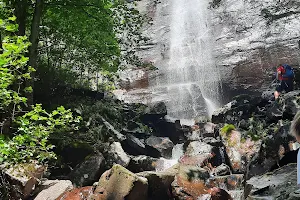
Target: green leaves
11	27
13	66
31	139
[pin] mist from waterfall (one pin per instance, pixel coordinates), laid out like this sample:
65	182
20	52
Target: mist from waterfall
190	81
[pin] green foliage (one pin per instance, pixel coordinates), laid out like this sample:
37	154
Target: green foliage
227	128
33	130
89	37
256	129
14	71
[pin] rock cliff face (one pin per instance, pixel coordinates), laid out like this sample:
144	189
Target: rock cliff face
250	38
253	37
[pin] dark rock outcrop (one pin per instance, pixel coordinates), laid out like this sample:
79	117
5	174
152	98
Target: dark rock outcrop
240	108
280	184
159	184
134	146
159	147
116	155
142	163
88	171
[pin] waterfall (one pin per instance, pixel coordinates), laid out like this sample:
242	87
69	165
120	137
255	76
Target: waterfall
189	80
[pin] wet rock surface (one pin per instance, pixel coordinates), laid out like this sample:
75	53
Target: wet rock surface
281	184
88	171
159	146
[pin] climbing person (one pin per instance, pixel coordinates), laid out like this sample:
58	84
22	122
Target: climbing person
285	76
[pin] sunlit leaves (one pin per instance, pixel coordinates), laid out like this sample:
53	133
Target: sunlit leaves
34	128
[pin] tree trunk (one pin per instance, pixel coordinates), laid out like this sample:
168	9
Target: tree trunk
34	39
21	14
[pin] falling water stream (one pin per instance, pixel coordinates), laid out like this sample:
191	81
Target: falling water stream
164	164
190	80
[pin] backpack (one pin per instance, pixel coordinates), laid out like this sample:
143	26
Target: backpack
289	72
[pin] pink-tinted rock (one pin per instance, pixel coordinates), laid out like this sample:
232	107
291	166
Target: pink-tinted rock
83	193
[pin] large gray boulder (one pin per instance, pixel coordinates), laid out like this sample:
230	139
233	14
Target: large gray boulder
23	178
52	189
116	155
280	185
119	183
159	147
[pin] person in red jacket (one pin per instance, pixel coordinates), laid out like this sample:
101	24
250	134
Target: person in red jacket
283	74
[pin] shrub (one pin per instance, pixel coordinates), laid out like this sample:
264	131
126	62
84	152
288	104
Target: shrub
30	142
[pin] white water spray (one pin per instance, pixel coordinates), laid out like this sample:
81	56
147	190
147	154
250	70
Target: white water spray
190	80
177	152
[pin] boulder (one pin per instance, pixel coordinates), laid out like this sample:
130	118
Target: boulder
291	104
163	128
208	129
118	183
221	170
241	107
267	95
275	112
240	151
197	148
159	184
273	147
158	109
116	155
52	189
189	183
213	141
163	164
89	171
142	163
202	154
24	178
233	184
193	182
84	193
159	147
134	146
203	129
280	184
286	108
199	160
